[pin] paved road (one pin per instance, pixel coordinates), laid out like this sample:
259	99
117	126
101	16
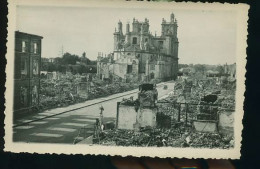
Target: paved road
64	128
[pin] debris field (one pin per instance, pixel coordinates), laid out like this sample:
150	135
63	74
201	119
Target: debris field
202	100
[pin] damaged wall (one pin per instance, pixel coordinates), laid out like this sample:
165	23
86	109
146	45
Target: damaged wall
226	123
127	117
156	57
147	117
205	126
27	61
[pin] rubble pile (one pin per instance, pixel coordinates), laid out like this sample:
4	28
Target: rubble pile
178	87
56	93
193	99
125	138
209	140
130	102
63	90
227	99
207	90
175	137
109	89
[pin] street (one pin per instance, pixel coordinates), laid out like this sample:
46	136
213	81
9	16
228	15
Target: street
64	127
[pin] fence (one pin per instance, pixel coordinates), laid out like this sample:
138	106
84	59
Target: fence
186	112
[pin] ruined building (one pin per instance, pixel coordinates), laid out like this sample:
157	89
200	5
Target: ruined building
140	55
27	61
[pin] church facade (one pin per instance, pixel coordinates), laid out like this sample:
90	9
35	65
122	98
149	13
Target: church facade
140	55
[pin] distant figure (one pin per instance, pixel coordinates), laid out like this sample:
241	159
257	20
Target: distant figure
97	122
71	96
131	98
155	93
97	128
101	116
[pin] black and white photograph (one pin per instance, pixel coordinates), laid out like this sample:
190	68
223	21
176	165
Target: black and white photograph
125	78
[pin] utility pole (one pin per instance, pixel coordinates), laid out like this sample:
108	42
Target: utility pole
62	51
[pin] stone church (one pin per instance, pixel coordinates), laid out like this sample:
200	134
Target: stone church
139	55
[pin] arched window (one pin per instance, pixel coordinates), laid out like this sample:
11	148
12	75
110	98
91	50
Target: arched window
134	40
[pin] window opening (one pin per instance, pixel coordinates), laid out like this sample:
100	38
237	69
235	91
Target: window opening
129	68
35	67
35	48
23	46
23	67
134	40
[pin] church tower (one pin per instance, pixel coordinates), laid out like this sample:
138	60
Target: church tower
169	32
127	39
118	35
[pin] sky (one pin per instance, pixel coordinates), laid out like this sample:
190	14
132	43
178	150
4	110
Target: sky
205	37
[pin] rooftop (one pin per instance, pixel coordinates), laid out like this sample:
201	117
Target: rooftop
28	34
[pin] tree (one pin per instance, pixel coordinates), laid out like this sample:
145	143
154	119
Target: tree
84	55
67	58
51	67
94	62
58	60
44	66
220	69
68	62
200	68
182	66
86	61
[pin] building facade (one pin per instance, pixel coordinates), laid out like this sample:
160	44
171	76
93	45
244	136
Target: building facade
26	71
139	54
230	70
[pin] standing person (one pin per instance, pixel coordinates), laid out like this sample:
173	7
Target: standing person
96	128
101	117
155	93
